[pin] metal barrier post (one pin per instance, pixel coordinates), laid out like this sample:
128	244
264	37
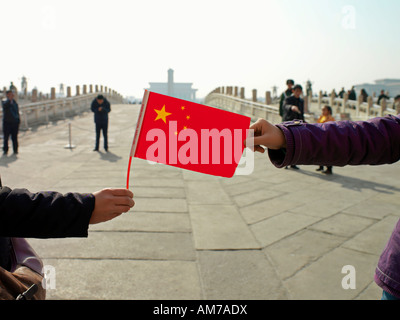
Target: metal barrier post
69	146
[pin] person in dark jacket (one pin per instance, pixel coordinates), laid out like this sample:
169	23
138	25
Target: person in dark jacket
11	122
288	92
46	215
101	107
293	108
364	95
372	142
352	94
382	96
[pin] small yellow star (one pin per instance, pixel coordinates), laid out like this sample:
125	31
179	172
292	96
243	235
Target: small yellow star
162	114
184	128
183	108
188	117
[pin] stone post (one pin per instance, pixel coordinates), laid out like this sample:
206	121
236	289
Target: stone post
359	102
345	99
68	92
242	93
332	100
268	100
84	89
236	91
77	91
254	95
53	94
306	103
320	100
370	102
34	95
91	88
383	106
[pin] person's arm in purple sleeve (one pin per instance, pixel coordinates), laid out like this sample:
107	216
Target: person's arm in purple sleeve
340	143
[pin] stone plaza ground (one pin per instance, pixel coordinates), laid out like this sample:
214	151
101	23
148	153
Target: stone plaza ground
274	234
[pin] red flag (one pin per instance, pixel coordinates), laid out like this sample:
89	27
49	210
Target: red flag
189	135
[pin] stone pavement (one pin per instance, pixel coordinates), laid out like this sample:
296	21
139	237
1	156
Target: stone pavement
274	234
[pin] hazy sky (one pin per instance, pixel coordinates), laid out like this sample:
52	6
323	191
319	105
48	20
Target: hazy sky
256	44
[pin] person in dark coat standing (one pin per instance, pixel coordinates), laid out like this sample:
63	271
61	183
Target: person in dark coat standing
287	93
11	122
293	109
101	107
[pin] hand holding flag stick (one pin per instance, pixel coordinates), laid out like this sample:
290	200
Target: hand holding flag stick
189	135
266	134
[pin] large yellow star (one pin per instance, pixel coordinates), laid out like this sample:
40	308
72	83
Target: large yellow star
162	114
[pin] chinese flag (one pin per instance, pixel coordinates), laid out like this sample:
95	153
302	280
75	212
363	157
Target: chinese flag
189	135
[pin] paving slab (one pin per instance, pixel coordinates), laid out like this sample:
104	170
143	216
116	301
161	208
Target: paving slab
220	227
105	279
280	226
239	275
323	279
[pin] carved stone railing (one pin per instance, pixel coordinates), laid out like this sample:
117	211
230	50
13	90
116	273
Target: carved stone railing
54	109
356	109
231	100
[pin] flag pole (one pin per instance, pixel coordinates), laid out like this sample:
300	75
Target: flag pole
129	171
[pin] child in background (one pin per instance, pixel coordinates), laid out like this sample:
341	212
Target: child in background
326	116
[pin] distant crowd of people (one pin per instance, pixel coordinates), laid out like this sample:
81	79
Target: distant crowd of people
363	93
291	107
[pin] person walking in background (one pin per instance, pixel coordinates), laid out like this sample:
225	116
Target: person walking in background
293	109
341	93
364	95
101	108
326	116
352	94
11	122
288	92
382	96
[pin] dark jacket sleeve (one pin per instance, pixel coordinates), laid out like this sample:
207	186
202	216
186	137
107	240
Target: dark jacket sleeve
340	143
107	106
44	214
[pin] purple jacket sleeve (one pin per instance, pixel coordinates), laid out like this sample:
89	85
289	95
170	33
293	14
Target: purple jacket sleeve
340	143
